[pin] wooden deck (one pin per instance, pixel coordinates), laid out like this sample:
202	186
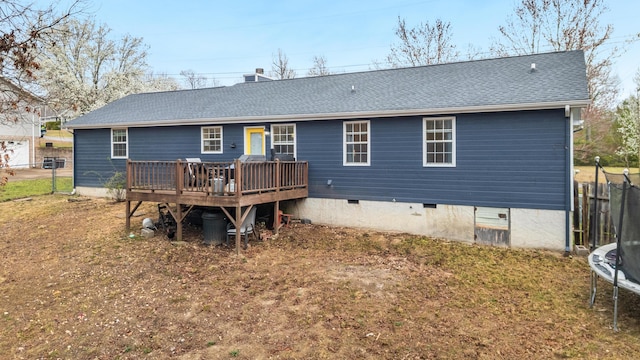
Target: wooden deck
225	185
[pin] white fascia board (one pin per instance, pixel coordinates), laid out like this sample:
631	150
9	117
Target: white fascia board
343	115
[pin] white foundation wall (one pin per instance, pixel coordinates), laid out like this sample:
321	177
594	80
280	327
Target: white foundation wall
92	191
540	229
444	221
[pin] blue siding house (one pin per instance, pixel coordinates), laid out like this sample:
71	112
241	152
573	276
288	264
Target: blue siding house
477	151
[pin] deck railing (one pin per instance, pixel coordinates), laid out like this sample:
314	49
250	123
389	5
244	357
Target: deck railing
231	178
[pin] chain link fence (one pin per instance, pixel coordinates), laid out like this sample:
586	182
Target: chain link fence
53	175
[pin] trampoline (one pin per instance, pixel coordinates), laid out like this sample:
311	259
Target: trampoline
619	263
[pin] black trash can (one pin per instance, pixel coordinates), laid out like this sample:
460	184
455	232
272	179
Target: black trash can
214	227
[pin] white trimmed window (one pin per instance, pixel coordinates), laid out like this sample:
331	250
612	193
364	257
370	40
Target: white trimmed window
357	144
439	142
283	139
119	143
211	140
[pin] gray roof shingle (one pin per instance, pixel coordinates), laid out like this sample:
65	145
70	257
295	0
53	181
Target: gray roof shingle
481	85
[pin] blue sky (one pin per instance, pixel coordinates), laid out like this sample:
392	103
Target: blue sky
225	39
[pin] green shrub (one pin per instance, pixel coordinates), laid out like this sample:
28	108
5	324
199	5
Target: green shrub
53	125
116	186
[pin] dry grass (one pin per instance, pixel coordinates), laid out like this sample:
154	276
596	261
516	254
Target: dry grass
73	286
587	174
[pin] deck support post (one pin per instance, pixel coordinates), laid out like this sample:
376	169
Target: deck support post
130	213
179	189
276	217
127	222
238	226
179	222
276	209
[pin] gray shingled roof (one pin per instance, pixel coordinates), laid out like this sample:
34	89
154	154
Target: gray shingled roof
482	85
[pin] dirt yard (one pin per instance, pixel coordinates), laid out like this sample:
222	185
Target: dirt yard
73	285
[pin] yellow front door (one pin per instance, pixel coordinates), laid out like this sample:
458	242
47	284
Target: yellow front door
254	141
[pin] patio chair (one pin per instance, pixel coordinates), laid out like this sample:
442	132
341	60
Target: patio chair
248	226
284	219
194	168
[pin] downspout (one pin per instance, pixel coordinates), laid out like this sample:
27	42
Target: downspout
33	141
569	180
73	163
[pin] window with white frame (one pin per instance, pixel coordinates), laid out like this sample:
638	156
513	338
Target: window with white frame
119	143
211	140
283	139
357	143
439	142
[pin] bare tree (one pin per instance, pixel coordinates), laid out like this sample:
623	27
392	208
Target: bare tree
473	52
193	80
561	25
425	44
23	29
319	67
280	67
85	68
